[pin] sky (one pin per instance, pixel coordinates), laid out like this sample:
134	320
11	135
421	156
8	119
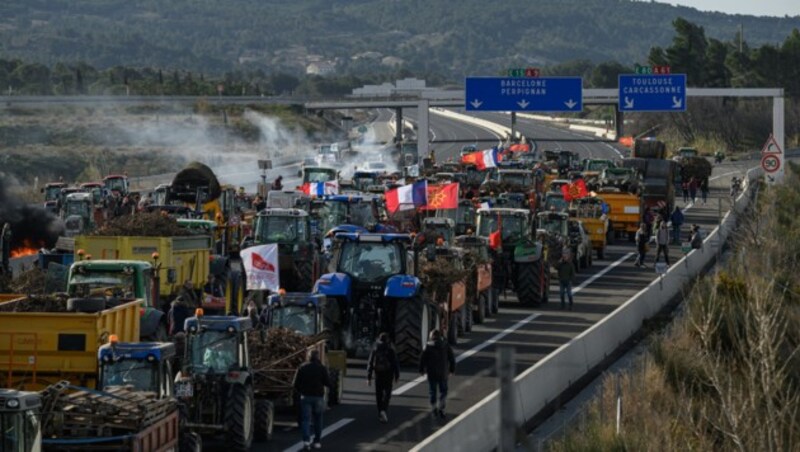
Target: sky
749	7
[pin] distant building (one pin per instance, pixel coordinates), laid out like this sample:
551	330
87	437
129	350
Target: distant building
321	68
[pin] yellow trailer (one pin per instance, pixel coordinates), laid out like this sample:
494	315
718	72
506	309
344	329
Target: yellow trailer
38	349
625	210
590	212
180	258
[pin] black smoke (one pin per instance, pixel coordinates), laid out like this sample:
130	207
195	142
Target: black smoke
31	225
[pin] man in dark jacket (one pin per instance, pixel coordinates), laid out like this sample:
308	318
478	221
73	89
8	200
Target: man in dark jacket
384	365
438	362
677	221
310	382
566	274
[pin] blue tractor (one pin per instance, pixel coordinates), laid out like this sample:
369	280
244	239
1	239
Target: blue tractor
147	366
371	288
366	211
215	385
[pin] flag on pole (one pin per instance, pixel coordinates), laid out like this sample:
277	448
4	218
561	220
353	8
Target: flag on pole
574	190
482	159
442	196
407	197
496	237
321	188
261	267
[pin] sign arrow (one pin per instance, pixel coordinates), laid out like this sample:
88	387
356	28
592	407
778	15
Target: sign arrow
628	102
476	103
570	104
523	104
676	103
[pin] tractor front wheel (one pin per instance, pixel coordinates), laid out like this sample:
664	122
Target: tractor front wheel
411	329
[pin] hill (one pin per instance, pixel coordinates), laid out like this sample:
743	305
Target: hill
354	36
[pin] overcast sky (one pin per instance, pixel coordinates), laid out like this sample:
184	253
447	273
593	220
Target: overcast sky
750	7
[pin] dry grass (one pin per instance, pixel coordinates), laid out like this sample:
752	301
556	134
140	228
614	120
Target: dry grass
727	375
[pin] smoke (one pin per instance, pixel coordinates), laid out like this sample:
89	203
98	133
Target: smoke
31	225
371	149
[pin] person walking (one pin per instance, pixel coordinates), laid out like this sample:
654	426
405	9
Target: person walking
693	188
383	364
566	274
310	382
642	238
697	239
662	241
685	189
277	184
438	363
677	221
704	190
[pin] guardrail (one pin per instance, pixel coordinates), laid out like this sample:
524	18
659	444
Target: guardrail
478	428
503	131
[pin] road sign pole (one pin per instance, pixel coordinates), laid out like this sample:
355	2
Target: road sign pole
777	134
423	135
619	122
513	125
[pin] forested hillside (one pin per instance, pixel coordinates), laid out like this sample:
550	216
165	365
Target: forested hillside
353	36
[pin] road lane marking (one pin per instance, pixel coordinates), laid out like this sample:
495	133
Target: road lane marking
603	272
466	354
327	431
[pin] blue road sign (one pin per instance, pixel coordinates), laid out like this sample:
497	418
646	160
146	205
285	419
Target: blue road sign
652	92
523	94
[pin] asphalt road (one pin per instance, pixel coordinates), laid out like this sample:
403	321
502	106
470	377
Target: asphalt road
535	332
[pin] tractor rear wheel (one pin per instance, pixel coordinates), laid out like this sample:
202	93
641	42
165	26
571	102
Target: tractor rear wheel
452	328
412	325
239	417
480	314
469	319
190	442
529	282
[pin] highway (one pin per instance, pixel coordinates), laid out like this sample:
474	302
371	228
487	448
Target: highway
534	332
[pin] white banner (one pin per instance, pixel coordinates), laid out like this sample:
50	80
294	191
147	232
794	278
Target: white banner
261	267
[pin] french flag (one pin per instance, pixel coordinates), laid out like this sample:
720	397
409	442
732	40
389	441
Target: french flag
407	197
483	159
321	188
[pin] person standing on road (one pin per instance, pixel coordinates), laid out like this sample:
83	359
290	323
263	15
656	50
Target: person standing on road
677	221
697	239
685	189
384	365
438	362
693	188
642	238
662	241
566	274
310	382
704	190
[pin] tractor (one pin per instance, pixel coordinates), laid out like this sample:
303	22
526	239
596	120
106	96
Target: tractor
565	234
481	299
369	282
463	216
147	366
298	251
214	387
517	258
78	214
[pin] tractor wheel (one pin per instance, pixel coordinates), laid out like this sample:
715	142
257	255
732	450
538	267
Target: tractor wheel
304	271
583	262
610	235
469	319
494	303
264	421
332	323
452	328
412	324
480	314
462	320
601	253
190	442
528	282
335	395
86	305
239	418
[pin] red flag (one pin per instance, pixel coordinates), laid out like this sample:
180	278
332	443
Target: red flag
442	196
496	237
575	190
520	147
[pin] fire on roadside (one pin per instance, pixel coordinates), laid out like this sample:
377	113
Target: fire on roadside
27	248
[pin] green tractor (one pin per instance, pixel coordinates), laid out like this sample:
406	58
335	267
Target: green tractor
518	259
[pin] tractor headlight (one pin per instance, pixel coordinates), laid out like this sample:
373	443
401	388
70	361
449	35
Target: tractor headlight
12	403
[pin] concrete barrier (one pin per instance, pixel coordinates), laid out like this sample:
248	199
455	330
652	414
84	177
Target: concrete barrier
498	129
478	428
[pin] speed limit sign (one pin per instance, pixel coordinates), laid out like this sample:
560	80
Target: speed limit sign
771	162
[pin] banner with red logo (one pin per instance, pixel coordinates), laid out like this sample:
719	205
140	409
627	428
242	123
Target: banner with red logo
261	267
575	190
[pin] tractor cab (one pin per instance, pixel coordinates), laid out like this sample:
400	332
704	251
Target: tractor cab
439	227
463	216
362	180
147	366
96	189
216	345
319	174
514	224
299	312
554	223
78	214
20	421
334	210
116	184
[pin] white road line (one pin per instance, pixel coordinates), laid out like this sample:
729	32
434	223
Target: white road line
411	384
327	431
602	272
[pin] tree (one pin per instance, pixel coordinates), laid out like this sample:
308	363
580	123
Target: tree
687	53
717	73
606	75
